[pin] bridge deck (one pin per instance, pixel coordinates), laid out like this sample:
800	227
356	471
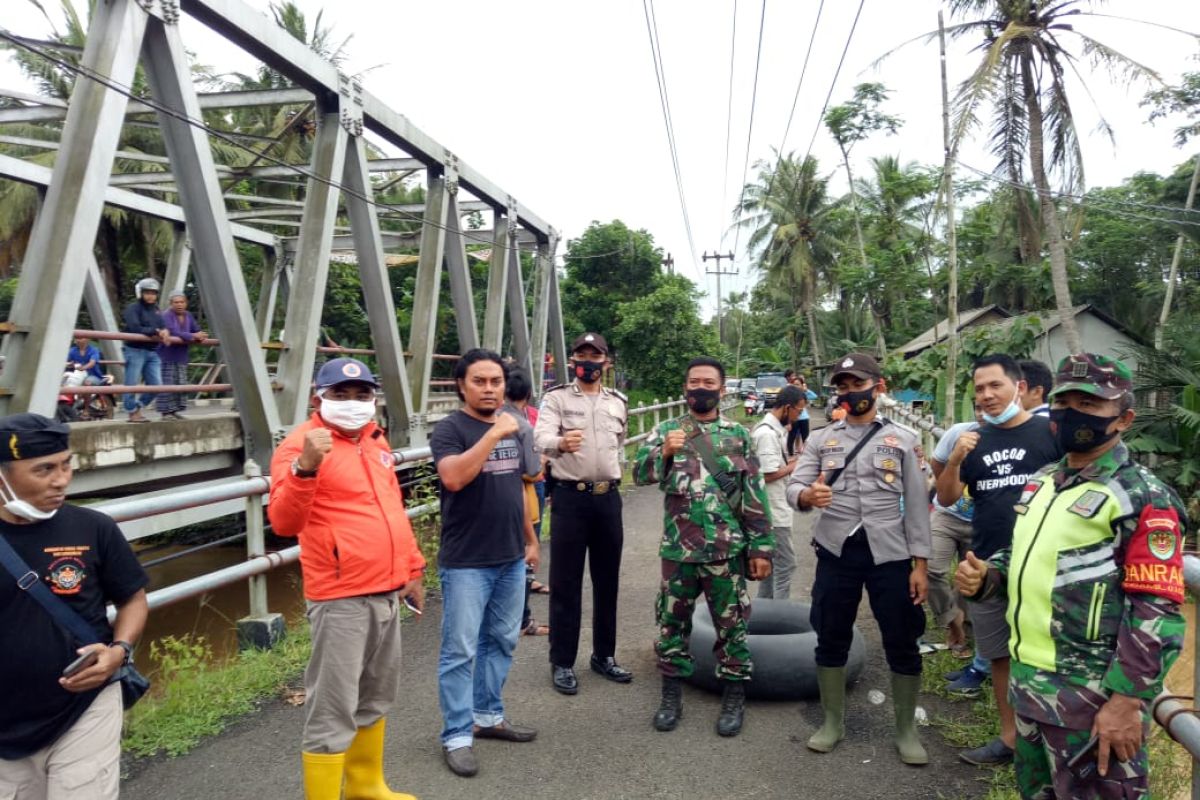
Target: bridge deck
598	744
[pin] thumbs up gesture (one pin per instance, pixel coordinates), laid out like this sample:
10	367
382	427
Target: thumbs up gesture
969	577
818	495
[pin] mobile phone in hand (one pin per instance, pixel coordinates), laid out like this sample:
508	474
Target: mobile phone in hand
83	662
1084	764
412	606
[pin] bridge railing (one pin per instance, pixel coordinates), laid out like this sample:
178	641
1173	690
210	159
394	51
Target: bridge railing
253	487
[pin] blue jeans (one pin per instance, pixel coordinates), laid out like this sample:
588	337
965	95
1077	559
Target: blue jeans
481	621
145	366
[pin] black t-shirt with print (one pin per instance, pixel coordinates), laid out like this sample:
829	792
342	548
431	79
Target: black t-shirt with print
996	472
483	524
83	558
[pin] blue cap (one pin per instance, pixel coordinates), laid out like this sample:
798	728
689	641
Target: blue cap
344	370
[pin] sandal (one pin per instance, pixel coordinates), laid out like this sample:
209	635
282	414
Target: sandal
534	628
539	588
962	651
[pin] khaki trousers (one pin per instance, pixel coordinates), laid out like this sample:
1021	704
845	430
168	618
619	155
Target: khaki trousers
85	762
354	672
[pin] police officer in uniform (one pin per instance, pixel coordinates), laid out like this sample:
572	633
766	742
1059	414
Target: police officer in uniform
581	429
1095	605
863	473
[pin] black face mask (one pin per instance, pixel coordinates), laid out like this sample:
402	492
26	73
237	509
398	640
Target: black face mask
703	401
589	371
1078	432
857	403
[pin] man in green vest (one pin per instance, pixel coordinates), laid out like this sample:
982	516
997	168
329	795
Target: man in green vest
1094	583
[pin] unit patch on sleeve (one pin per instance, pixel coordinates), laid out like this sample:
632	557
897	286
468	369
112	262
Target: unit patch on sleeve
1154	558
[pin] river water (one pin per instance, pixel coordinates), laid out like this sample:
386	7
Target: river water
213	615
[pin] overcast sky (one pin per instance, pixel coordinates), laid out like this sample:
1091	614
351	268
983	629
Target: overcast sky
556	100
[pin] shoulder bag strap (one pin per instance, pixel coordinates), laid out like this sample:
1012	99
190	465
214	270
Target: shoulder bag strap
731	495
837	473
29	582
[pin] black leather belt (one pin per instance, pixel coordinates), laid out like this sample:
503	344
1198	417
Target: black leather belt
591	487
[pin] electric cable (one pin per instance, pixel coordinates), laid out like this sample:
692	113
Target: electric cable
231	140
729	122
737	236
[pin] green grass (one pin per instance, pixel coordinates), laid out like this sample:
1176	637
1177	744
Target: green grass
194	696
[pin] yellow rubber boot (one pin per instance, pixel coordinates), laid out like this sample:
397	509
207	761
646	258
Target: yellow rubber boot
323	775
364	767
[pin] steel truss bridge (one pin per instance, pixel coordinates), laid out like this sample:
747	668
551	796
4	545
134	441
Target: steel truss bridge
190	189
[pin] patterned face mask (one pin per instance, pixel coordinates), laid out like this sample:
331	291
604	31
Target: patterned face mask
1078	432
702	401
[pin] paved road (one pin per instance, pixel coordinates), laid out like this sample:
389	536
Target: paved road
598	745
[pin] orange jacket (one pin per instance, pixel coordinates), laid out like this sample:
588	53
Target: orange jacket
355	537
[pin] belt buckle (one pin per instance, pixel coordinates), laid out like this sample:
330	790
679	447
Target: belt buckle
26	581
581	486
601	487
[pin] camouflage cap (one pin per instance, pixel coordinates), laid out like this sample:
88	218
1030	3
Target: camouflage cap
1092	373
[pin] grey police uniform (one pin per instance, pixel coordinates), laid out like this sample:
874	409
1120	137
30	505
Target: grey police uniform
877	522
585	514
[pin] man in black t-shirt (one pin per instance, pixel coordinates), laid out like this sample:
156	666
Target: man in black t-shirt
60	735
993	464
487	539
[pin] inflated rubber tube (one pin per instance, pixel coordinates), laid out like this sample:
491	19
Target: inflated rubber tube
782	645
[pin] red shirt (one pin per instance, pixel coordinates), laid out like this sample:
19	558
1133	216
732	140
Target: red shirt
355	536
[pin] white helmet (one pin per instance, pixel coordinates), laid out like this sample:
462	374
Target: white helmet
146	285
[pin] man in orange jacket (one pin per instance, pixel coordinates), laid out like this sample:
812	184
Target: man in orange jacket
333	484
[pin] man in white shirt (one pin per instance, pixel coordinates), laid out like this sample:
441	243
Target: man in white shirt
770	445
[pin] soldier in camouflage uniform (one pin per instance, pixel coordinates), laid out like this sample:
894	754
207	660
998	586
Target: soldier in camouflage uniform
1094	582
717	532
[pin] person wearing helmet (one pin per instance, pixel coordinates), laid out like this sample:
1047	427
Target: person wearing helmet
141	357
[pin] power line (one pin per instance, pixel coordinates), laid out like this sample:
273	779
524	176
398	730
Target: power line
728	123
832	85
232	141
737	236
796	97
664	102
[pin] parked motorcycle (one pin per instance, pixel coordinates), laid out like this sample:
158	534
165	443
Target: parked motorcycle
75	407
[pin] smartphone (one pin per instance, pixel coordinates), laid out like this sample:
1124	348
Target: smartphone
81	663
1084	764
412	606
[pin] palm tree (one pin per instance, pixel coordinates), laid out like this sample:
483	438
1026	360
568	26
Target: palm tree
1022	75
787	211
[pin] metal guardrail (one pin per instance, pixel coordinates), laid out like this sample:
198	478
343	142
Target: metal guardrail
1177	719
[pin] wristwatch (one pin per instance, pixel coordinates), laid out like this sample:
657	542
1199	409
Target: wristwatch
300	472
126	646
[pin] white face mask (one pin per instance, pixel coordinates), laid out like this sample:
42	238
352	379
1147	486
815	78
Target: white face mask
19	508
349	415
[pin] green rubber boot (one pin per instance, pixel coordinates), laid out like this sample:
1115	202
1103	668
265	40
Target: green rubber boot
904	700
832	681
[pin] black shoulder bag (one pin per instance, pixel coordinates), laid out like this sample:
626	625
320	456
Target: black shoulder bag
133	683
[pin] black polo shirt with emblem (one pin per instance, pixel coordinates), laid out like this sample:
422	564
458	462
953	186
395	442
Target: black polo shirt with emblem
83	558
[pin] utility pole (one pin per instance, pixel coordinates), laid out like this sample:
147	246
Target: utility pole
718	257
669	263
950	412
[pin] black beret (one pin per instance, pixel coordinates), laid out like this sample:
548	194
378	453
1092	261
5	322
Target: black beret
25	436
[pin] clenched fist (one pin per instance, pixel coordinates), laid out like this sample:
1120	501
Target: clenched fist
965	444
970	574
571	441
673	443
317	443
505	425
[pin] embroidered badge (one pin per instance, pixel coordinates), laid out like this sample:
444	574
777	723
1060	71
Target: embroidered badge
1155	567
66	575
849	362
830	442
1087	505
1160	536
351	370
888	463
1030	490
387	459
891	440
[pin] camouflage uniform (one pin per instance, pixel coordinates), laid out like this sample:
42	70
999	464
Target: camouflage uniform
1094	583
704	545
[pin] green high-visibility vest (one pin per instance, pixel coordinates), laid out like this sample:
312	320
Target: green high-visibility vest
1061	539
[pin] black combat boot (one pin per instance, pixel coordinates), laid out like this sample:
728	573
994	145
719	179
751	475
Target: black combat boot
670	710
733	708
